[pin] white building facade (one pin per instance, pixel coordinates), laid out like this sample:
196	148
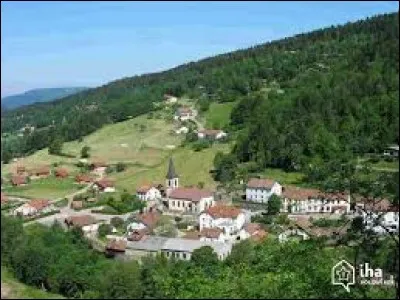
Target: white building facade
147	193
227	218
260	190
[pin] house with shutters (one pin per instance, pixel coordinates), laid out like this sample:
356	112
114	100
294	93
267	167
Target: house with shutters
260	190
296	200
229	219
34	207
148	193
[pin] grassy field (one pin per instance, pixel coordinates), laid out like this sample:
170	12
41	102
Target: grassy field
17	290
218	115
47	188
192	168
283	177
139	140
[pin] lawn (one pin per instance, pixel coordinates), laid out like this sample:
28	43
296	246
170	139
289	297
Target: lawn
192	168
139	140
46	188
218	114
283	177
17	290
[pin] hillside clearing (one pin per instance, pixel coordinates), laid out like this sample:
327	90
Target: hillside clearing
218	114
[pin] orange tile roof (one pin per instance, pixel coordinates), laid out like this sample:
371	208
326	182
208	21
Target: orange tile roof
223	211
149	219
252	228
116	245
104	183
258	183
81	220
83	178
39	204
61	172
297	193
211	232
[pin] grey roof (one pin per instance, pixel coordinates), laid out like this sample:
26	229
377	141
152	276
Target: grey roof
156	243
186	245
171	170
393	147
148	243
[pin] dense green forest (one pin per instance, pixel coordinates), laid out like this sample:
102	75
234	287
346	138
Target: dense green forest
338	91
64	263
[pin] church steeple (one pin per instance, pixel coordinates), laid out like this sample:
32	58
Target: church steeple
172	177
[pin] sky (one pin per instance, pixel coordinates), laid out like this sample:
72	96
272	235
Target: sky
89	43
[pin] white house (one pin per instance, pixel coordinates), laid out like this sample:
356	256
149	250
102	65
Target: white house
184	113
169	99
181	130
87	223
253	231
260	190
192	200
381	217
212	134
148	192
304	201
104	185
392	151
227	218
33	207
284	236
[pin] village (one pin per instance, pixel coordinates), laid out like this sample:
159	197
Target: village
165	217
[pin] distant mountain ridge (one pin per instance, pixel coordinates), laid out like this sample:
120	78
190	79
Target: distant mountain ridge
38	95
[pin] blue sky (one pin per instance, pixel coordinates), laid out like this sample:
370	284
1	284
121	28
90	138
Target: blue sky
55	44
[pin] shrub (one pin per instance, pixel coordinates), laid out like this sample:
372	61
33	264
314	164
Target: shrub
120	167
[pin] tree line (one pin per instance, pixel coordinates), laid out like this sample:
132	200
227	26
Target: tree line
332	90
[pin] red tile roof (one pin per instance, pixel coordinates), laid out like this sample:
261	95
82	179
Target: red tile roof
42	170
252	228
104	183
83	178
61	172
297	193
378	205
259	235
223	211
116	245
149	219
257	183
212	233
81	220
39	204
144	188
193	194
18	179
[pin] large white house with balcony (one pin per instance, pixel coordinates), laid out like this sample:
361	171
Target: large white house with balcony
297	200
260	190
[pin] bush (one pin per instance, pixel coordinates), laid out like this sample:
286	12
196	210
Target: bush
389	159
120	167
104	229
200	145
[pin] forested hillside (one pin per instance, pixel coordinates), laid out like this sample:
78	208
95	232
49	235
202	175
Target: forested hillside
337	90
38	95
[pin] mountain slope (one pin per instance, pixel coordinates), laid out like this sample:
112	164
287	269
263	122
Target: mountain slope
38	95
314	94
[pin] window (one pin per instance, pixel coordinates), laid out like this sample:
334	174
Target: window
184	255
